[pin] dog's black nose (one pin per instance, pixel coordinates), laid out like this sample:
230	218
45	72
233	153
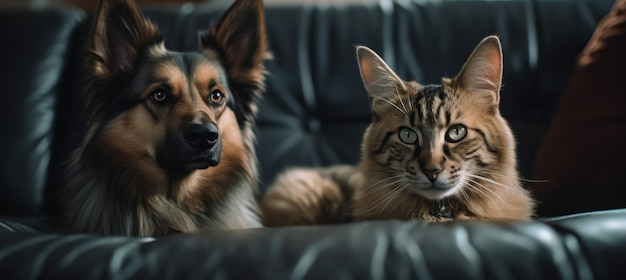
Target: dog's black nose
201	136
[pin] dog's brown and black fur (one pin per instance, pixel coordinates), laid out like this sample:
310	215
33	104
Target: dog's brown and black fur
169	146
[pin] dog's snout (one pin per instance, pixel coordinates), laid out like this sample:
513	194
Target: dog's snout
201	136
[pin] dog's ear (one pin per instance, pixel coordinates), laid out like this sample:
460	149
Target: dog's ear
119	33
239	39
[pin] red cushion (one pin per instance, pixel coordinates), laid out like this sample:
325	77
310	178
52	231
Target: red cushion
584	154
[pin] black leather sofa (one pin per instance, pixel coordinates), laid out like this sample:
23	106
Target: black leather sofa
313	113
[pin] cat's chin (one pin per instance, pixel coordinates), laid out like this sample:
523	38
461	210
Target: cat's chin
435	193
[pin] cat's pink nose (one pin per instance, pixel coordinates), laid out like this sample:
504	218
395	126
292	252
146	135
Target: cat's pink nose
432	174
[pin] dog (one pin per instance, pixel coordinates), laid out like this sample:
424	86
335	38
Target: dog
169	146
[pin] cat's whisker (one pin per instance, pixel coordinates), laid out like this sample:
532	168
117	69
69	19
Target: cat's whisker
465	196
495	183
462	193
391	190
384	183
391	103
392	196
510	177
384	200
379	186
482	189
400	98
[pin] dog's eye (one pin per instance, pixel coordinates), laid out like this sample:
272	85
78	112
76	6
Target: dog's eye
160	96
216	97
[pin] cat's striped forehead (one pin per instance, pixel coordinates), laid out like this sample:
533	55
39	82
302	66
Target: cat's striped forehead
432	105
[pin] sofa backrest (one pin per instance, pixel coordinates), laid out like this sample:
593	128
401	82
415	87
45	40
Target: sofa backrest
33	54
315	109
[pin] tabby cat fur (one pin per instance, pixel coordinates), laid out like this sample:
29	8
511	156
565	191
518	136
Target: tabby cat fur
432	152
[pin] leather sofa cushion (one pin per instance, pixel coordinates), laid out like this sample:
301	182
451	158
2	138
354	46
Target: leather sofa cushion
583	155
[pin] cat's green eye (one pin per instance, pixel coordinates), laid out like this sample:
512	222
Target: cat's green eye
407	135
456	133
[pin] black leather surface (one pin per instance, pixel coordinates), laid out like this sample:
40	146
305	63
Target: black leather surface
590	246
32	59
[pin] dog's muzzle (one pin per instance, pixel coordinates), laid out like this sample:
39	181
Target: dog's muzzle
193	146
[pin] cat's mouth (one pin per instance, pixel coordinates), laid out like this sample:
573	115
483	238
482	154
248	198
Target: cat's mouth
443	186
436	191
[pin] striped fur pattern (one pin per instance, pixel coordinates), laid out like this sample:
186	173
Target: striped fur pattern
432	152
170	143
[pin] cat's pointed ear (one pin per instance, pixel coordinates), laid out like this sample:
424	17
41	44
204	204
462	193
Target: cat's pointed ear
381	83
119	33
482	72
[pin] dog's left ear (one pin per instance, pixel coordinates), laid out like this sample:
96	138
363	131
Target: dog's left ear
119	33
239	39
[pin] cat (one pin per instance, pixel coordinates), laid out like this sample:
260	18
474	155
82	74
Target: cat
432	152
